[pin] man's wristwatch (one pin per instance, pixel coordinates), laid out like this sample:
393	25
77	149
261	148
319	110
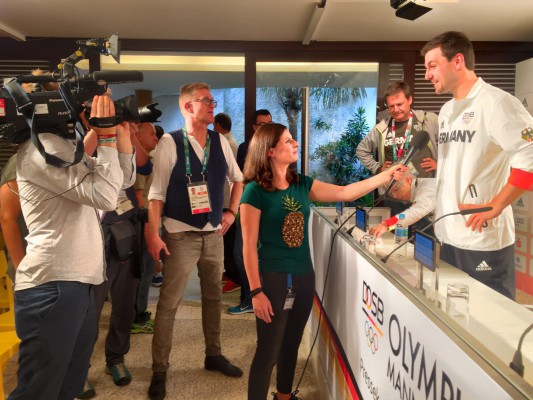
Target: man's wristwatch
255	292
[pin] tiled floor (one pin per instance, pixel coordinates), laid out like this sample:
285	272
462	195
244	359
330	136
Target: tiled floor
192	295
187	377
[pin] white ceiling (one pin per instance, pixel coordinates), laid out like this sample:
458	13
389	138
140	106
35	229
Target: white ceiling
260	20
256	20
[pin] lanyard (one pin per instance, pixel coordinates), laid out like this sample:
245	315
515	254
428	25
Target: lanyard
289	283
397	153
188	158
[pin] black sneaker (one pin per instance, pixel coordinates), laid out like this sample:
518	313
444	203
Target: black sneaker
157	389
120	374
222	364
88	391
143	317
293	396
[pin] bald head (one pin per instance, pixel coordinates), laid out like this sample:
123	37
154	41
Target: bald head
147	136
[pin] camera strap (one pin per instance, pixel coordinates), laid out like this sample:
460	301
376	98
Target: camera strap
107	122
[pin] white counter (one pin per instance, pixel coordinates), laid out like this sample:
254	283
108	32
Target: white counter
381	338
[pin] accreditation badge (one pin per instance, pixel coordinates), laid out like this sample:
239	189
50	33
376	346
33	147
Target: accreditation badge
123	206
289	300
199	197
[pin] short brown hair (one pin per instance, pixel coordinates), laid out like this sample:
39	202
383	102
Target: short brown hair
257	166
224	120
452	43
397	87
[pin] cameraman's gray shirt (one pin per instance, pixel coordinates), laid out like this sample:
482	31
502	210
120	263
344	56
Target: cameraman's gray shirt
60	205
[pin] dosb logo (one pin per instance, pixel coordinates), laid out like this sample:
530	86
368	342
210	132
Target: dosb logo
373	309
373	303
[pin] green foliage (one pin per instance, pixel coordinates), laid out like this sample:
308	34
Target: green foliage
290	100
334	96
322	125
338	158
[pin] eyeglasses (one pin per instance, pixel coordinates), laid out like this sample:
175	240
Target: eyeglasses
207	101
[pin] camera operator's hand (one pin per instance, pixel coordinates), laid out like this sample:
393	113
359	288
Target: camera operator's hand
103	107
134	128
124	138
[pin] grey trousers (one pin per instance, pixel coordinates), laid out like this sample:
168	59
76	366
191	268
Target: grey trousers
204	250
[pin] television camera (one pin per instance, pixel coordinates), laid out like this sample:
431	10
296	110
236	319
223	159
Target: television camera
26	115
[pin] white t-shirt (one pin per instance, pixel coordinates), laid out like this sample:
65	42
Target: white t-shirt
480	139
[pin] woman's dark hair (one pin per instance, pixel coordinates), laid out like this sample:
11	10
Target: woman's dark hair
257	166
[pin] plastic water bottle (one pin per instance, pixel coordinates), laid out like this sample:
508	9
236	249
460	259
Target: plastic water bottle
400	235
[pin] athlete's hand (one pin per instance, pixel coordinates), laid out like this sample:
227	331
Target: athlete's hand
478	221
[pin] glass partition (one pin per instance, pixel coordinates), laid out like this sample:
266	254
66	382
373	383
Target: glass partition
328	108
164	73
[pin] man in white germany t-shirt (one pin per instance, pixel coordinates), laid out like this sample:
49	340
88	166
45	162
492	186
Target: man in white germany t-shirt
485	159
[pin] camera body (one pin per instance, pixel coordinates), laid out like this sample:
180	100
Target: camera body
50	114
23	115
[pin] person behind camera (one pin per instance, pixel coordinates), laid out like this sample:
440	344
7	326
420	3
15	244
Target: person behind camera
145	140
275	208
193	224
122	236
54	304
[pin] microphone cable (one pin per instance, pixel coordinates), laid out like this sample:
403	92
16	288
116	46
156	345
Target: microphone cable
516	364
321	302
461	212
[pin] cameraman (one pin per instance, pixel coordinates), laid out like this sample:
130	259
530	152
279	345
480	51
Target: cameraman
54	303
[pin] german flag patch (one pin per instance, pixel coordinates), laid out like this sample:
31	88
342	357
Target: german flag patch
527	134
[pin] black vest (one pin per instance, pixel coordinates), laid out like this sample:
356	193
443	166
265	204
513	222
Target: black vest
177	205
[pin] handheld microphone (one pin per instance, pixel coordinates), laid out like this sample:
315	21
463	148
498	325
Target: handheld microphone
419	141
517	365
107	77
461	212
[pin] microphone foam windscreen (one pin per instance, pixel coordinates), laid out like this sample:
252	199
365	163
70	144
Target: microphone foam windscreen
420	140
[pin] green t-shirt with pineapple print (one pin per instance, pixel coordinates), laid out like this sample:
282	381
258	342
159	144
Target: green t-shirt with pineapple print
283	229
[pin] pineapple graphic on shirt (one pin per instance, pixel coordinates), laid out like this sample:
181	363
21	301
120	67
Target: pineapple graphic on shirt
293	224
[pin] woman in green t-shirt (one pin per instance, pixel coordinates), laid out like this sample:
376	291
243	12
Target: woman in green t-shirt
274	217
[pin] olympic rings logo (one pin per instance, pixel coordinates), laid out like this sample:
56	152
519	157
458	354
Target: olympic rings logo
371	338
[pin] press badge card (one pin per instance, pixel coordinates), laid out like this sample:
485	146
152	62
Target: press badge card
123	206
199	197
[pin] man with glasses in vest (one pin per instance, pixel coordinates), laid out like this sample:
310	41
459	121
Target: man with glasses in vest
193	224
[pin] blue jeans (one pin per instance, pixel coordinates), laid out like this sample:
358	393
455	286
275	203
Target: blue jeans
56	323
